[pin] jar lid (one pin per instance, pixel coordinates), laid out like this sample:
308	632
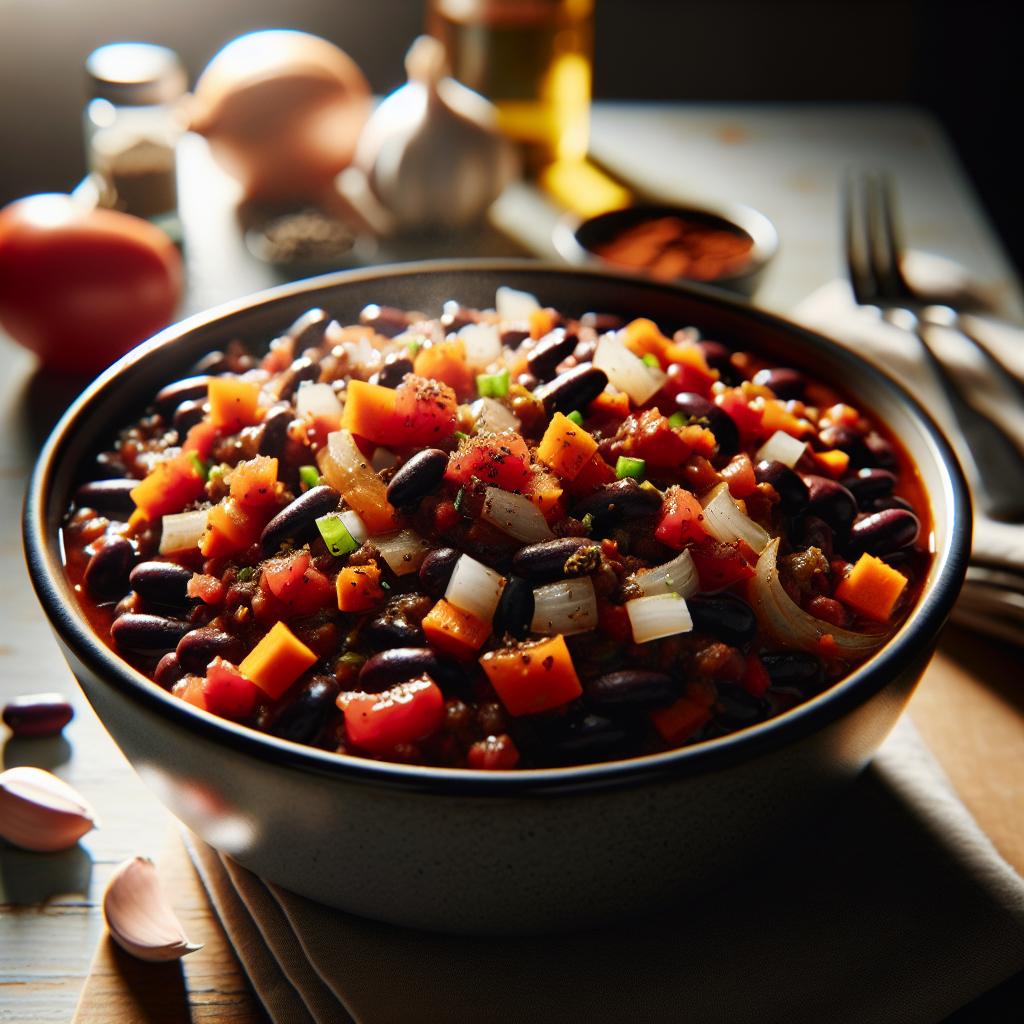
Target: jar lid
135	74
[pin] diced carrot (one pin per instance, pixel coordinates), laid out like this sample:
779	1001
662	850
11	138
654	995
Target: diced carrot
613	406
230	528
168	487
739	475
234	403
691	355
679	721
352	475
370	412
565	447
545	491
872	588
834	462
777	417
446	361
542	321
643	337
359	588
254	481
533	677
453	631
200	438
840	415
277	661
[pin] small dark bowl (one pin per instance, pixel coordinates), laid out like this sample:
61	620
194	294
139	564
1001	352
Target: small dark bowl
577	240
474	851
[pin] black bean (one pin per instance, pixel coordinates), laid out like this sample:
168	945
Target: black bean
37	714
455	316
308	330
735	707
794	495
147	634
293	521
550	351
614	503
302	371
304	715
106	574
168	670
882	533
867	484
386	320
719	422
393	372
212	363
786	383
557	559
187	415
111	498
275	430
161	583
190	389
511	337
417	477
574	389
800	671
592	738
632	687
849	441
197	648
515	609
725	617
831	501
393	626
602	322
527	380
718	357
436	570
399	664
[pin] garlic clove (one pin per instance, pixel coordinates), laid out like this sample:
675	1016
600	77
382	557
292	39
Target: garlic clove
40	812
139	917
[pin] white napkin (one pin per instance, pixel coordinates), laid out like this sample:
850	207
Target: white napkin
892	909
992	600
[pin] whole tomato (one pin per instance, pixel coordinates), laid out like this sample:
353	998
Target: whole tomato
81	286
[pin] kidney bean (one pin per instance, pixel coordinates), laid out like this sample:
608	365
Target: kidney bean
736	708
436	570
512	337
131	602
303	370
187	415
632	687
295	519
399	664
308	331
306	711
602	322
111	498
786	383
725	617
515	609
393	372
455	316
37	714
527	380
849	441
274	434
613	503
168	670
831	501
398	624
106	574
161	583
574	389
721	424
867	484
816	533
550	351
386	320
147	634
892	501
795	670
794	495
882	453
189	389
881	533
417	477
557	559
197	648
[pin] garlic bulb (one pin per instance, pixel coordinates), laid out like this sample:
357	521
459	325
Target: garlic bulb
139	917
431	152
40	812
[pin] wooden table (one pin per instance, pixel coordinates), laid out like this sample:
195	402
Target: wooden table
786	162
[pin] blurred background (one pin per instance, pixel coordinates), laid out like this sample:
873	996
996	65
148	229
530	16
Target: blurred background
958	59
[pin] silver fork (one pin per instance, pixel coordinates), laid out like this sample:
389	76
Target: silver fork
991	459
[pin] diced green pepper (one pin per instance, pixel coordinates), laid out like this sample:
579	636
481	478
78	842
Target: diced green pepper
576	416
493	385
309	476
335	534
630	467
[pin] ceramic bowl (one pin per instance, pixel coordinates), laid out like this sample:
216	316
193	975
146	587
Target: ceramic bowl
470	851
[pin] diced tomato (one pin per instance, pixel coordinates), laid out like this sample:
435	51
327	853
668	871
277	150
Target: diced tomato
739	475
593	475
545	491
650	437
496	753
746	417
208	589
407	713
227	692
200	438
679	721
190	690
720	565
254	481
687	377
300	587
428	411
499	460
682	519
613	622
755	677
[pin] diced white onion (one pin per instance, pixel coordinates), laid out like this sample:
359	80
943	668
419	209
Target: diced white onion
725	522
568	606
483	344
491	417
318	401
182	530
626	371
354	525
515	515
781	447
676	577
474	588
403	551
514	305
383	458
658	616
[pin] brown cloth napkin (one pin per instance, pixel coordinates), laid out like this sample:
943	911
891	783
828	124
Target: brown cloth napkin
893	908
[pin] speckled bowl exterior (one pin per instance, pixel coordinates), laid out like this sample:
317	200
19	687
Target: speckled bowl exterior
468	851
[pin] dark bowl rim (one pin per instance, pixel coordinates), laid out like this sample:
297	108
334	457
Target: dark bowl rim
919	631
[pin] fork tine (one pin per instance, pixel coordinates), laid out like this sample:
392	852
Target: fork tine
889	243
858	263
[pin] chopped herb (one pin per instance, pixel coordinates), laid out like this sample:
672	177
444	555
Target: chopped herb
630	467
678	419
413	346
459	499
461	435
309	476
245	574
335	534
384	585
652	360
200	467
493	385
352	658
588	522
216	472
576	416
